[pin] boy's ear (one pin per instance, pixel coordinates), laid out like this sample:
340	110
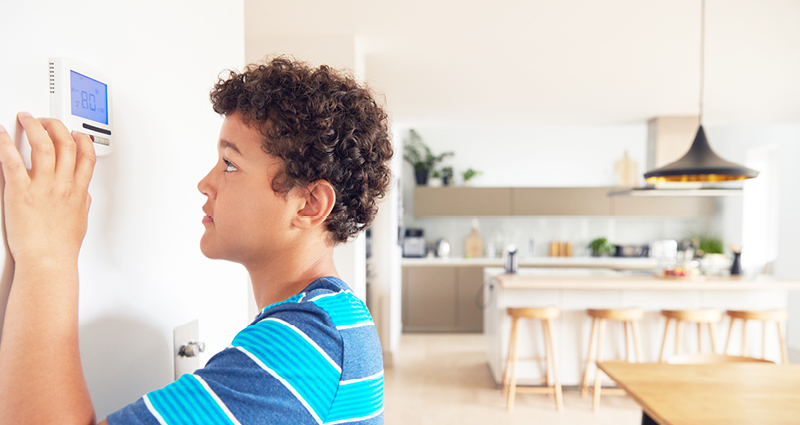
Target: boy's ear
318	202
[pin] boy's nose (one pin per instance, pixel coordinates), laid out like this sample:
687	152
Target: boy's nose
205	187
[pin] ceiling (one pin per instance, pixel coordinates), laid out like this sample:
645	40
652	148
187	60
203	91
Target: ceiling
561	61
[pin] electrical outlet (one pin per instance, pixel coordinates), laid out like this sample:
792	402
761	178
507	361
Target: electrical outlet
186	360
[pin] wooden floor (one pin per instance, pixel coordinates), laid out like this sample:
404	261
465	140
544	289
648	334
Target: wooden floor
440	379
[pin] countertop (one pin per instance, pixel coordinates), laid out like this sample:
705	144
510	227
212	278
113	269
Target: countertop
607	279
570	262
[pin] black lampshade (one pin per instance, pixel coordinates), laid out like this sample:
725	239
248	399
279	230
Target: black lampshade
700	164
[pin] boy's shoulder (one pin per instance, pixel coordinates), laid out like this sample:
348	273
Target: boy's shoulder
328	295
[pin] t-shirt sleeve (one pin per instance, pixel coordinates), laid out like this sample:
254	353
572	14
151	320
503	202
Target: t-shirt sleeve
285	369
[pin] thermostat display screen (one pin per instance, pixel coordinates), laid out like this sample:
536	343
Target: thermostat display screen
89	98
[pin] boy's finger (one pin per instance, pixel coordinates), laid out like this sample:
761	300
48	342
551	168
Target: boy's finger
43	153
65	147
86	159
14	169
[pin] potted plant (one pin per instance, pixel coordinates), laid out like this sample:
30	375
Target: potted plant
600	247
420	156
469	175
447	175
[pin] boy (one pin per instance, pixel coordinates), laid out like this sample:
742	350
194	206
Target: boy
303	156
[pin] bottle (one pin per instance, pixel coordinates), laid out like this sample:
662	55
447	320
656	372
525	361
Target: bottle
512	264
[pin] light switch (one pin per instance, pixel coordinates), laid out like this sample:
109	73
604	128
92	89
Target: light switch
186	347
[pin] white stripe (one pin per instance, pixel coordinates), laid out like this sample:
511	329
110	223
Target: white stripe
333	294
283	381
355	419
303	295
153	410
357	325
217	399
353	381
309	340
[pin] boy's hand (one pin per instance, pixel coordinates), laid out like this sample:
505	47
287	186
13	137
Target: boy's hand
46	209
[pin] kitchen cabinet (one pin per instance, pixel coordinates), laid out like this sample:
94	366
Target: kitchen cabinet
461	201
561	201
442	299
554	201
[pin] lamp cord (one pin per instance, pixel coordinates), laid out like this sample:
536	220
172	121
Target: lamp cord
702	55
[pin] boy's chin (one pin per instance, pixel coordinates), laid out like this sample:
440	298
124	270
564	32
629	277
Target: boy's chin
210	251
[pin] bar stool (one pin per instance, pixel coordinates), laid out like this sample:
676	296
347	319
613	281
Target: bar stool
630	317
546	315
708	316
777	316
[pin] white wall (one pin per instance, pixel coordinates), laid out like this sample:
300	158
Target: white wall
733	143
141	270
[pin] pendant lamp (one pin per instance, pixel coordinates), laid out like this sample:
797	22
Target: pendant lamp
700	163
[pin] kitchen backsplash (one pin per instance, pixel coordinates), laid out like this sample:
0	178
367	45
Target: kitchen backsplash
500	232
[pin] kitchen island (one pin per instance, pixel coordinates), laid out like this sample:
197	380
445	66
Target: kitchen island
575	290
443	294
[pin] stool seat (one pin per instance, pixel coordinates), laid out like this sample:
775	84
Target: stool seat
764	316
618	314
705	316
535	312
630	317
546	315
695	316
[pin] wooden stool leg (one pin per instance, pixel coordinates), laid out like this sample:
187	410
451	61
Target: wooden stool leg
713	335
782	339
552	355
744	337
512	387
699	339
585	380
678	336
627	343
728	340
596	393
664	342
512	341
764	339
547	357
637	343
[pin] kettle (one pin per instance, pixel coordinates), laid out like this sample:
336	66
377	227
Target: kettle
442	248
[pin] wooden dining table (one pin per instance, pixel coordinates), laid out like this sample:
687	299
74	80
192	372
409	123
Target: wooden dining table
722	393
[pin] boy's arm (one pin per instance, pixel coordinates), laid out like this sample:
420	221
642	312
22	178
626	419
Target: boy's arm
45	214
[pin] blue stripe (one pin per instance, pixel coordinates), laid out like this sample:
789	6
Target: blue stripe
357	400
345	309
186	401
293	299
293	359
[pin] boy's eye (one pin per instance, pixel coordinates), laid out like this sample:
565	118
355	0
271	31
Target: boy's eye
229	166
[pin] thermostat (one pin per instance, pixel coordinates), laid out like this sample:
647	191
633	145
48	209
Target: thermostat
80	96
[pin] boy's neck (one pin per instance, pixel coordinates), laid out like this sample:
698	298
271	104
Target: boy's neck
287	275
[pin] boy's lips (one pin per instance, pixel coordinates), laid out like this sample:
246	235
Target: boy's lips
207	218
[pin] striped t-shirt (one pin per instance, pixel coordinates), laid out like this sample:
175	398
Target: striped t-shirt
312	359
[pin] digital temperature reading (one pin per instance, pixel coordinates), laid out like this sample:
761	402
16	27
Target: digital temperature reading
81	96
89	98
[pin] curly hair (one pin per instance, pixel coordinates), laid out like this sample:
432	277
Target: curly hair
322	125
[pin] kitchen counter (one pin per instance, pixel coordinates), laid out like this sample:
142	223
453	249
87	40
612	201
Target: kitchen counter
599	280
574	291
569	262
